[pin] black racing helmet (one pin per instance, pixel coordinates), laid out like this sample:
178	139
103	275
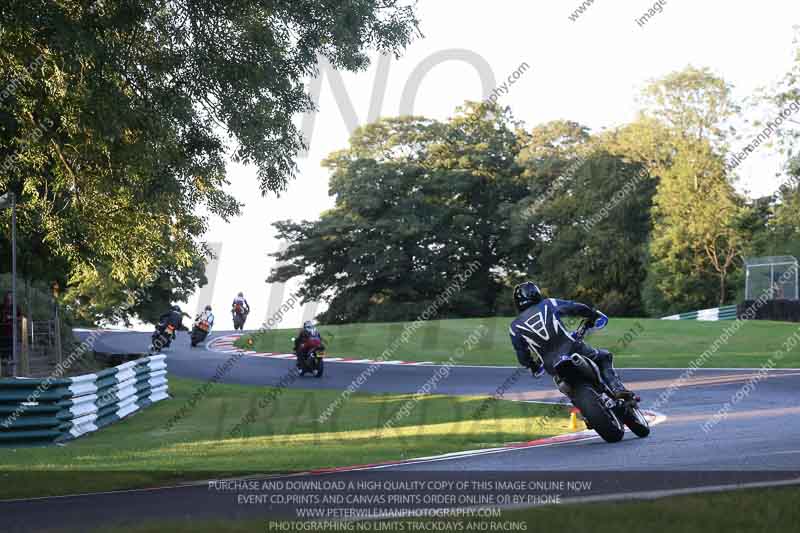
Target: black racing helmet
526	294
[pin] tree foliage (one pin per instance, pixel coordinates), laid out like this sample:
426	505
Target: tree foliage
694	103
641	219
116	119
583	228
417	200
697	240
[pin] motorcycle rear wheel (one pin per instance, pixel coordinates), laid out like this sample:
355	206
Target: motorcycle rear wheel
602	420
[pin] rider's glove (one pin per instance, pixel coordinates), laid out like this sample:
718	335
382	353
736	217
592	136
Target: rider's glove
537	370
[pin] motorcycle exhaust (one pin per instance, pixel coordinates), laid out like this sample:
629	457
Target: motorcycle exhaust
588	368
564	387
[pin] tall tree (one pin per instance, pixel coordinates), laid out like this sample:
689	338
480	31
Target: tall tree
784	94
682	137
417	202
779	233
698	227
693	102
582	231
116	118
777	230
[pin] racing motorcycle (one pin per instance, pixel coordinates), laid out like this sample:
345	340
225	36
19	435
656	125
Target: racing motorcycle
579	378
313	363
162	337
239	317
200	332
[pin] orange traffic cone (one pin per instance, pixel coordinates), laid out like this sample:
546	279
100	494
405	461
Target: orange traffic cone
573	419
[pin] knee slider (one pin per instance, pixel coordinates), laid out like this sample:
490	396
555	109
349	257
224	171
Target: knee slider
604	355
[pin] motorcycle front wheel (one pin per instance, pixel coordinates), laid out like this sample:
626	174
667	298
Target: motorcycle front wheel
153	343
602	419
636	421
320	367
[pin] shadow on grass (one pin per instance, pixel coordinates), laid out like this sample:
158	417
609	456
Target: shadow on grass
284	436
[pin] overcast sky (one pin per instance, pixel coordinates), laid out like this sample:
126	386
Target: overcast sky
589	70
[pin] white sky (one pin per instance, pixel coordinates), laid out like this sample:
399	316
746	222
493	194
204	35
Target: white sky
590	71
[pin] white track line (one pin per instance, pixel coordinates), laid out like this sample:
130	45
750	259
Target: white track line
625	496
654	419
654	494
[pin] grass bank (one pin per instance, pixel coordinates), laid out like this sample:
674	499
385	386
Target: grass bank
285	436
635	342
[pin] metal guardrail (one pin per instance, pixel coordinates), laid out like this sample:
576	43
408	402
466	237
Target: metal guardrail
46	411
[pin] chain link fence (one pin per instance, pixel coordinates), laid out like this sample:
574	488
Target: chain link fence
774	276
41	334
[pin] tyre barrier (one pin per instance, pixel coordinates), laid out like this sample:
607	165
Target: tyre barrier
52	410
727	312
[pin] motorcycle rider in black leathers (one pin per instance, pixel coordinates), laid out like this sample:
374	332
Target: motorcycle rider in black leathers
174	317
539	337
309	332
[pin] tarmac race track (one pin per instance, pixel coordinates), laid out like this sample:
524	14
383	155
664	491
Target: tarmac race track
758	442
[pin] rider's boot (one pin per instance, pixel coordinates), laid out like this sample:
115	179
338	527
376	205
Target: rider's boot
604	361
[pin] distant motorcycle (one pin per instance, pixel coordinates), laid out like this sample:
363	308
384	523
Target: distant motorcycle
162	337
200	332
579	378
313	362
239	316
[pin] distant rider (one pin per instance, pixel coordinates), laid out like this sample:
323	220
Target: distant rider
206	315
538	330
240	304
307	339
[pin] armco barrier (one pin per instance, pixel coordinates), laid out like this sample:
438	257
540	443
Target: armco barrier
42	411
727	312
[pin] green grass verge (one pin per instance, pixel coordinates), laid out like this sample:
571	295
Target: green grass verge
758	510
284	436
635	342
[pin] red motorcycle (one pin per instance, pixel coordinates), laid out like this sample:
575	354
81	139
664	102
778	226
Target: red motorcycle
312	363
